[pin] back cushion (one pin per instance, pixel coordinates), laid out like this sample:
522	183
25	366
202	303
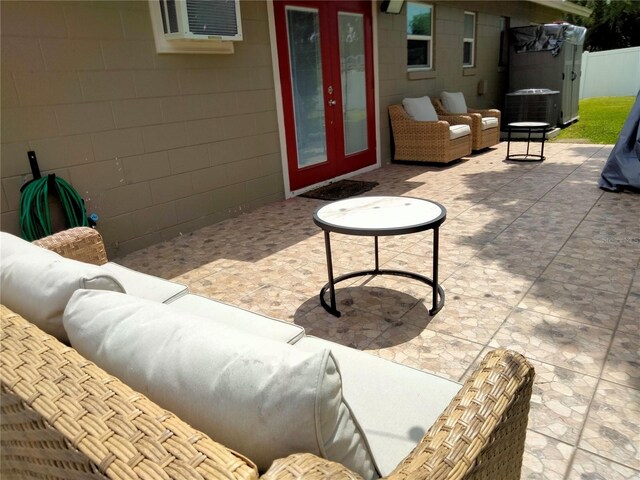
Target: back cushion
262	398
37	283
420	109
11	245
453	102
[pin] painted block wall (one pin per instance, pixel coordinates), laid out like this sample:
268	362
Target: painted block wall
157	145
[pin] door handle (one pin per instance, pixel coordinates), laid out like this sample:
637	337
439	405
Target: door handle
332	103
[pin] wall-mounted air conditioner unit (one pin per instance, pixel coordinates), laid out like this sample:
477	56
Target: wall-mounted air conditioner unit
195	26
201	19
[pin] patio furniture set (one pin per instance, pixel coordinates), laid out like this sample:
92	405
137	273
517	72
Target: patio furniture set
160	383
443	130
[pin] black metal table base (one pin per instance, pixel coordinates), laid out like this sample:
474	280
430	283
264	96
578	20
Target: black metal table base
437	301
332	309
527	157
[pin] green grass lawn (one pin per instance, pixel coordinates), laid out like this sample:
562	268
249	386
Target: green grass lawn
601	120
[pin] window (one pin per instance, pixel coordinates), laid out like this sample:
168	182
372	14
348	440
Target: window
503	60
419	39
469	39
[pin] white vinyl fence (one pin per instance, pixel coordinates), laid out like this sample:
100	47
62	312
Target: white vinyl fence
612	73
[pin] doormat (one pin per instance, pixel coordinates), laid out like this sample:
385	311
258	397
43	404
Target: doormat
340	189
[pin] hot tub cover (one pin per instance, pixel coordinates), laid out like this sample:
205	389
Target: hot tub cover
622	170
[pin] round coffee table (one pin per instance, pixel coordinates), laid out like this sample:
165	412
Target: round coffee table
377	217
529	128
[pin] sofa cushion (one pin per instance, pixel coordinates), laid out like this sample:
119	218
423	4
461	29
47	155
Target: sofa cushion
489	122
394	404
11	245
145	286
238	318
453	102
37	285
420	109
457	131
263	398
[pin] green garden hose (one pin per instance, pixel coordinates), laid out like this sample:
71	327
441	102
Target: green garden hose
35	218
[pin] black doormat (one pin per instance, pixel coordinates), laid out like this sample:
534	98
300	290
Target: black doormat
340	189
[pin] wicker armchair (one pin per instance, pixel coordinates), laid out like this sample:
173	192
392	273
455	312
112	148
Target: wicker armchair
480	138
427	141
63	417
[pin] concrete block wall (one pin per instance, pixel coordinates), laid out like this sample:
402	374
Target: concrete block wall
157	145
447	73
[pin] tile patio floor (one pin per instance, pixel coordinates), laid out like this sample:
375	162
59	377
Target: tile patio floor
534	257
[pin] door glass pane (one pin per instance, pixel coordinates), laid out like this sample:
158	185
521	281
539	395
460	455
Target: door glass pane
354	95
306	83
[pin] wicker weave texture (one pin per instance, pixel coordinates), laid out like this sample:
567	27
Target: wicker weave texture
309	467
425	141
80	243
480	138
65	418
479	436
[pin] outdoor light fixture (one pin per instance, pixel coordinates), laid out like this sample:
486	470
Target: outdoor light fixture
392	6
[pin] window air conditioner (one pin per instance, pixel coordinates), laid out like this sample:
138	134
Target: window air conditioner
201	19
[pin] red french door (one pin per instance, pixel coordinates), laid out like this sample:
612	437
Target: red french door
326	74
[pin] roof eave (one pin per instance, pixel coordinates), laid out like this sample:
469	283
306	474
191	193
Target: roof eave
565	6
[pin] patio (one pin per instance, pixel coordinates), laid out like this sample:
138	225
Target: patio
533	257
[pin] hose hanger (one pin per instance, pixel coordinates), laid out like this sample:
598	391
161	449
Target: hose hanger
35	215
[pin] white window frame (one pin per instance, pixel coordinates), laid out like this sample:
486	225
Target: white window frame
426	38
470	40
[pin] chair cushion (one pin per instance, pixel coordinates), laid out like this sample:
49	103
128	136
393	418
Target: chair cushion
420	109
394	404
453	102
457	131
238	318
37	283
262	398
146	286
489	122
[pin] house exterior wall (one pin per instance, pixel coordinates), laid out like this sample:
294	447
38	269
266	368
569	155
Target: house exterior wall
155	144
163	144
447	73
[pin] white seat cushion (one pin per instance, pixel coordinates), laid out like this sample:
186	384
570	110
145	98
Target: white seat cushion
262	398
37	283
457	131
420	109
394	404
489	122
238	318
146	286
453	102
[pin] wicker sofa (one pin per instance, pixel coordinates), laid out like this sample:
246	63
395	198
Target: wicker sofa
64	417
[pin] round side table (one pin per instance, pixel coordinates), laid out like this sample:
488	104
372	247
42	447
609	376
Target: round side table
376	217
527	127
